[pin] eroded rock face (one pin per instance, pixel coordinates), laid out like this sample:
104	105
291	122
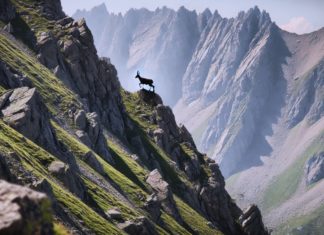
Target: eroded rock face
24	211
68	177
91	133
164	193
251	221
315	168
23	110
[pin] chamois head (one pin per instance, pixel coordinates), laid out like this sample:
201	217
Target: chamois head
138	74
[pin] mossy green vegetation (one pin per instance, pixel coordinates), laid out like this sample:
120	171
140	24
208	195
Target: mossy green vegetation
194	219
2	90
56	95
172	226
133	191
286	184
36	160
107	201
128	166
90	218
60	229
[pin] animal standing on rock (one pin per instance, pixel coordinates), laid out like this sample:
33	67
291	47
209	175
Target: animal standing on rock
145	81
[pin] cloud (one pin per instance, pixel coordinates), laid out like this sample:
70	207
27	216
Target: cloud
298	25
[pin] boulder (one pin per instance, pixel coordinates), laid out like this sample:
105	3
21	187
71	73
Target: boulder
251	221
164	194
69	178
24	211
315	168
114	214
23	110
140	226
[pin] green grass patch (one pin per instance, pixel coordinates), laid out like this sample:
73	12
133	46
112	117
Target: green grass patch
60	229
56	95
90	218
172	226
107	201
286	184
132	190
128	166
36	159
194	219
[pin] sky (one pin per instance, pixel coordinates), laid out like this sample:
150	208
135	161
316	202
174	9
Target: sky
299	16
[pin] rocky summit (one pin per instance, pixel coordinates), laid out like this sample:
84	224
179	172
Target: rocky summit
80	155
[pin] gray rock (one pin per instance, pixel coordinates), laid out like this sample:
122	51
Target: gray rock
80	119
164	194
251	221
65	21
114	214
93	126
69	178
23	110
58	168
140	226
83	136
315	168
24	211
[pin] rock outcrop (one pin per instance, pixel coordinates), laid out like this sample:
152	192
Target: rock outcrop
90	133
24	211
69	178
251	221
315	168
140	226
164	194
22	109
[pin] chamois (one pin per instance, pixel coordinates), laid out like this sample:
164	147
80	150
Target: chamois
144	81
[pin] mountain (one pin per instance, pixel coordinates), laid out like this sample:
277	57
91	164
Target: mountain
251	94
82	155
159	43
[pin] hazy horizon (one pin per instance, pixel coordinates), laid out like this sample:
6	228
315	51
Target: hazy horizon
296	16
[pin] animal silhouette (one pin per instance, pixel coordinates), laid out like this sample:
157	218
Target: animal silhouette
145	81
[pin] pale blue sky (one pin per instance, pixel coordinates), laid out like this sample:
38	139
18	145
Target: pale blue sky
294	15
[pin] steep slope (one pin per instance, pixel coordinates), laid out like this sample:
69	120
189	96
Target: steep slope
159	43
110	161
261	117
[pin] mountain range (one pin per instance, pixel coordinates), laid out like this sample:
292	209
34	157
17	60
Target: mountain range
251	94
81	155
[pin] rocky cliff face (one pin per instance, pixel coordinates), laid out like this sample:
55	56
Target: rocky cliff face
110	161
249	91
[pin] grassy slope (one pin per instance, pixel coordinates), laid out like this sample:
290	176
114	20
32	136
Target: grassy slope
134	107
55	94
285	184
36	160
127	174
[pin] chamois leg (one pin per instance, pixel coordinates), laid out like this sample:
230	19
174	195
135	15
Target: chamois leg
153	88
140	85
